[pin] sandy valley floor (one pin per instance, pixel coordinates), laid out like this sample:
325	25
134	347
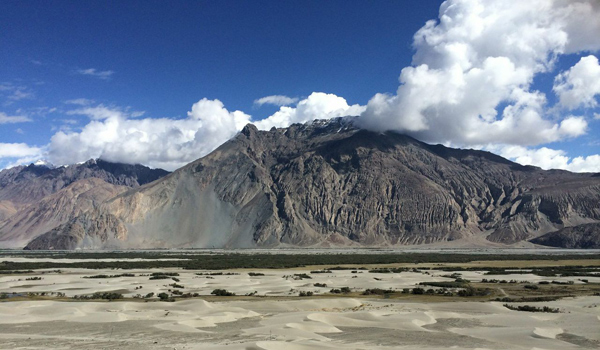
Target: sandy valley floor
276	318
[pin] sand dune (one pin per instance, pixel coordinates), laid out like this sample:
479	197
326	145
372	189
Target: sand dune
262	323
296	325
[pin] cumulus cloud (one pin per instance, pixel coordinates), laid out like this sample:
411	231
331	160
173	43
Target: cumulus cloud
547	158
17	150
114	135
580	85
100	74
573	127
8	119
276	100
481	55
318	105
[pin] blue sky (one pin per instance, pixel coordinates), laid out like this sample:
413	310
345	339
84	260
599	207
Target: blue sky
79	77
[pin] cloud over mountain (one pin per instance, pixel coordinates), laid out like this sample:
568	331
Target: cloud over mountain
472	74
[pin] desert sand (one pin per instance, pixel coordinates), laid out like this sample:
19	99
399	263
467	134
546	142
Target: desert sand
276	318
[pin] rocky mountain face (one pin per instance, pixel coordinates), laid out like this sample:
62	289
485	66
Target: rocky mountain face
27	184
37	198
585	236
328	183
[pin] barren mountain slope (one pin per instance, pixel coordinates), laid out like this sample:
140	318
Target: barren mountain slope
27	184
31	201
55	209
582	237
328	183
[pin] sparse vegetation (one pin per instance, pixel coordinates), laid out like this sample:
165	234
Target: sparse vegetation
377	291
529	308
111	276
388	270
471	291
202	261
100	295
455	284
165	297
222	293
15	272
343	290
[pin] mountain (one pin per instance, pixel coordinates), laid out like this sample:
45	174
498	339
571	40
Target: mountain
55	209
27	184
39	197
328	183
582	236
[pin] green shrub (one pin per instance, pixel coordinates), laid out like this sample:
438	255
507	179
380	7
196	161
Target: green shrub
222	293
377	291
418	291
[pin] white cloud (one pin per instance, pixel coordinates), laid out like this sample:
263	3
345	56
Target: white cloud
547	158
17	150
79	101
104	75
37	111
20	94
318	105
480	55
7	119
580	85
20	131
14	92
277	100
573	126
113	135
101	112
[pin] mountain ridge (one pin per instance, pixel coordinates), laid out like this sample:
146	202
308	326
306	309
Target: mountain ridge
37	198
328	183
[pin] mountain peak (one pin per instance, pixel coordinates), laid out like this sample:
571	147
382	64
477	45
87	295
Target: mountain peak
43	162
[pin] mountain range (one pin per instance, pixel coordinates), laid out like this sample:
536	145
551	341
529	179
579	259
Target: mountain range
320	184
36	198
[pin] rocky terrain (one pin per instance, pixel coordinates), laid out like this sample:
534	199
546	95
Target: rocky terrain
37	198
582	236
328	183
27	184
